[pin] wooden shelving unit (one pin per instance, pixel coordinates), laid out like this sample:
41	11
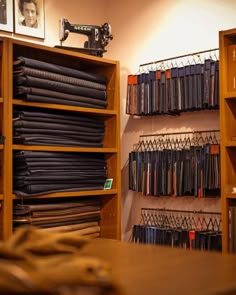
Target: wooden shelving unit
110	199
227	39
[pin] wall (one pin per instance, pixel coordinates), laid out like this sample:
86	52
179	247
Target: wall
146	31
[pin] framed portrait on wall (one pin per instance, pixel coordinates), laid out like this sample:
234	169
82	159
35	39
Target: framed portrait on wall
6	15
29	17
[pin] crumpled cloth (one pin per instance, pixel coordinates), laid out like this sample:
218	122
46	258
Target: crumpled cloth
34	262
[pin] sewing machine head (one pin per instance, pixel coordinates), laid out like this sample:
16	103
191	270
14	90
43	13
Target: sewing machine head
98	36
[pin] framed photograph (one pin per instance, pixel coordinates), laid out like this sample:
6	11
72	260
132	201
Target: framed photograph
29	17
6	15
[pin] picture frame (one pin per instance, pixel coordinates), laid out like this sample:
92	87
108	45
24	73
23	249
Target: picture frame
29	18
6	15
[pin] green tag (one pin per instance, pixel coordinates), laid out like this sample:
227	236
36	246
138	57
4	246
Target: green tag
108	183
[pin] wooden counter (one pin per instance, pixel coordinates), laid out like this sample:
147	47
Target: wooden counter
146	269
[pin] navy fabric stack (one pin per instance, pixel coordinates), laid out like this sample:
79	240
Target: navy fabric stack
40	81
57	128
41	172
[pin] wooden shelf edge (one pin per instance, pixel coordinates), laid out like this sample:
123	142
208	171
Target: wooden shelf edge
71	194
1	197
229	143
1	100
229	32
63	149
83	56
64	107
230	95
231	196
1	146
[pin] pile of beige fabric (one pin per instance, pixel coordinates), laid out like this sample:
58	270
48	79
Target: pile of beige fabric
34	262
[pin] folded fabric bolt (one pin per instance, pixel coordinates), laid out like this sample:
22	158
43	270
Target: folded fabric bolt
26	71
54	68
57	116
52	126
23	91
88	172
53	100
56	128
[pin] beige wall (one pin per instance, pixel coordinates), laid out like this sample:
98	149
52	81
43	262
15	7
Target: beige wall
147	31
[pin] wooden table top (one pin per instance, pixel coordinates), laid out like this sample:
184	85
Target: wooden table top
149	269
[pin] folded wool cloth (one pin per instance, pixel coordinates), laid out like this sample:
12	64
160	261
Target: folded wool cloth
35	262
26	71
53	100
54	68
21	91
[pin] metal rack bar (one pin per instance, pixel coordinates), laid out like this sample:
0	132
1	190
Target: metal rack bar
179	133
176	57
181	211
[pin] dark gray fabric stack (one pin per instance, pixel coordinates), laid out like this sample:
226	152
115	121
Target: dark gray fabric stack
40	172
57	128
40	81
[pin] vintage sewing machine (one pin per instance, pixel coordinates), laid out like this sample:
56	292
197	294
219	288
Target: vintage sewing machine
98	36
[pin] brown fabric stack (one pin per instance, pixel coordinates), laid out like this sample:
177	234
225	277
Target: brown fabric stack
82	217
34	261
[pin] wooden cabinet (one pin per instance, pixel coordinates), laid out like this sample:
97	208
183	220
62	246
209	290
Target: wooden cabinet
227	129
110	199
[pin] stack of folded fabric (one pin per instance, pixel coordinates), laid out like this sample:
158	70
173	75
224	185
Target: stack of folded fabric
39	81
41	172
81	217
57	128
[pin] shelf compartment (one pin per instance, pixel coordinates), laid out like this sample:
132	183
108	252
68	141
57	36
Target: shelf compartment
230	172
74	60
230	117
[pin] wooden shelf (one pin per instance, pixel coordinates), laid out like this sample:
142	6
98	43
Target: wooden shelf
227	128
231	196
110	200
1	196
63	107
1	100
63	149
1	146
82	57
230	143
73	194
230	95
